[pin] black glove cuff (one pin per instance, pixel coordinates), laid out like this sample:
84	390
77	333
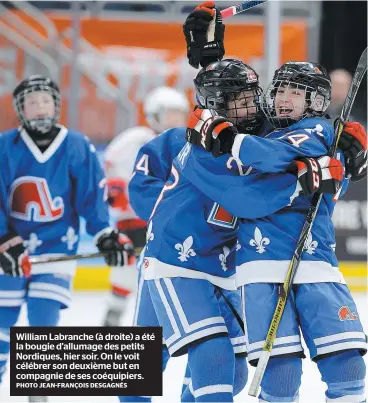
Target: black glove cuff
359	173
211	52
193	137
11	235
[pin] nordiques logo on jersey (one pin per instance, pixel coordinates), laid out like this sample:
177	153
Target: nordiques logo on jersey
345	313
31	200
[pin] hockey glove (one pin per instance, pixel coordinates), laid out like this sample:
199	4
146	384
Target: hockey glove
211	131
204	34
322	174
353	143
118	247
14	259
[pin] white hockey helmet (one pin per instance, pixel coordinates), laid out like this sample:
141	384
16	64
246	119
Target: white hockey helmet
162	101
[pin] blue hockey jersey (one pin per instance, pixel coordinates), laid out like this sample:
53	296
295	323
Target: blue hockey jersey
266	244
43	195
190	235
152	170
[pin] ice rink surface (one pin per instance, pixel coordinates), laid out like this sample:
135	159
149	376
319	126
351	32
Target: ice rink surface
88	310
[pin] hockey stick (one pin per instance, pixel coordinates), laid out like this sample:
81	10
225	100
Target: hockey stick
64	258
67	258
311	215
239	8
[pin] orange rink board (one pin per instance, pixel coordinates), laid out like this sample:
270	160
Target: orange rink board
138	56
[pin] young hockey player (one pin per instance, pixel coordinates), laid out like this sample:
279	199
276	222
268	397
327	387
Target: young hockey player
140	203
192	241
144	189
49	178
164	107
294	103
343	371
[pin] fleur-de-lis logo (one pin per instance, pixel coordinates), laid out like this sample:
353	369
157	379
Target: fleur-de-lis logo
259	242
223	257
185	250
70	238
333	247
33	243
238	246
310	245
150	236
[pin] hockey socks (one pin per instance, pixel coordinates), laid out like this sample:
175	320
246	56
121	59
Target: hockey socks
212	365
240	379
281	381
185	389
135	399
43	312
344	374
8	317
241	374
165	359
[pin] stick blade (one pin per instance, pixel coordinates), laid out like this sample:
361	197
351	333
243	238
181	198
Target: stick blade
258	375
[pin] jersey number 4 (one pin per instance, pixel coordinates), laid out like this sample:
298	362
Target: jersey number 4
142	164
297	139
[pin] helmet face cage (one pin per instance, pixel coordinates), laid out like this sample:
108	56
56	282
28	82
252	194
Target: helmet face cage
240	103
42	124
230	87
243	109
291	97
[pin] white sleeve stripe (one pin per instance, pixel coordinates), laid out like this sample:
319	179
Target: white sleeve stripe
235	151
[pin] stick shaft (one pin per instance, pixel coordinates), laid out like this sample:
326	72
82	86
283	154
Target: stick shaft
64	258
67	258
239	8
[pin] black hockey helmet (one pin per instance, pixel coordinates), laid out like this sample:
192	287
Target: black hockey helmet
309	77
221	83
37	83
